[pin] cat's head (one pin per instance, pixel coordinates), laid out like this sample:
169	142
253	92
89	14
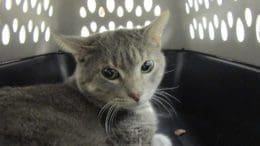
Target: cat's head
122	66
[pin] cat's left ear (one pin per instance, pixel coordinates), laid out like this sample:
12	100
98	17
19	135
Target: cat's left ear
154	31
71	44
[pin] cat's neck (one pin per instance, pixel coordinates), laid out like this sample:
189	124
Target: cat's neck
144	108
71	82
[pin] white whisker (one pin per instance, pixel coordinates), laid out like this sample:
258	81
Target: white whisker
171	88
166	94
116	109
164	107
103	109
169	104
112	117
107	124
168	71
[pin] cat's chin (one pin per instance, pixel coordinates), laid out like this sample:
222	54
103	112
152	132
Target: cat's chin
138	106
143	105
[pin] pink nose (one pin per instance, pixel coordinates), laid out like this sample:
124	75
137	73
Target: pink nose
135	95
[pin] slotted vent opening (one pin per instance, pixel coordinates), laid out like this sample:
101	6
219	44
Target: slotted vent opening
214	23
31	27
107	10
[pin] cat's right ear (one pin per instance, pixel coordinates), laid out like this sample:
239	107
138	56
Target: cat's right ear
155	29
71	44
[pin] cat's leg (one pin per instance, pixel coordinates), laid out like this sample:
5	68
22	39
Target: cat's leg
161	140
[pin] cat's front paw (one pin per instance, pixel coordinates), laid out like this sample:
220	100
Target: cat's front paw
161	140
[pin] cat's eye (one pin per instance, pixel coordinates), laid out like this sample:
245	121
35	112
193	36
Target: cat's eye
147	66
110	73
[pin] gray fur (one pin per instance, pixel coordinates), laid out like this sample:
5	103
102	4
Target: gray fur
90	109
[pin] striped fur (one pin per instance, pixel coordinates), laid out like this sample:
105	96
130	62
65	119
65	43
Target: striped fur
90	109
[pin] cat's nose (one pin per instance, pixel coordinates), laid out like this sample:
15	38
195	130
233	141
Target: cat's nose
135	95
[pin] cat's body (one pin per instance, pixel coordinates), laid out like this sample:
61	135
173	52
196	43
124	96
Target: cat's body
107	102
58	114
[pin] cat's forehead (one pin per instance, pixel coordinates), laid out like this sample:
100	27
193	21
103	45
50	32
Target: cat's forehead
122	39
127	58
123	48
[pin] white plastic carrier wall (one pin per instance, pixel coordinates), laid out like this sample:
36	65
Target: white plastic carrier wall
224	28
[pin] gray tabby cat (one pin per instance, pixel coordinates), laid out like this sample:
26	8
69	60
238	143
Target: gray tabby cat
106	102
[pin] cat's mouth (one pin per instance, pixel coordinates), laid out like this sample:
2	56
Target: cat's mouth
143	105
137	105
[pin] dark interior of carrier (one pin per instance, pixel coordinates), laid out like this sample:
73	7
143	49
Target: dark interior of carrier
212	49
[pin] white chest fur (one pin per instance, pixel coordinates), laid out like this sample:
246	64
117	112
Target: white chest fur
147	114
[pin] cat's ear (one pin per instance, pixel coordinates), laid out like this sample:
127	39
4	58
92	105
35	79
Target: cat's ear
154	31
71	44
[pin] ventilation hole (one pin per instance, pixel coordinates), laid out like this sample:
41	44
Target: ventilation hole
110	5
93	26
224	30
240	30
84	31
22	35
190	3
15	25
219	2
8	4
101	12
187	8
211	31
46	4
25	6
39	9
249	17
216	21
51	11
138	26
196	6
120	11
138	11
83	12
36	34
148	4
92	5
30	25
111	25
201	32
157	10
206	2
129	24
147	23
33	3
204	21
6	35
129	5
192	32
200	2
43	25
120	27
102	29
47	34
230	19
195	24
18	2
258	28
